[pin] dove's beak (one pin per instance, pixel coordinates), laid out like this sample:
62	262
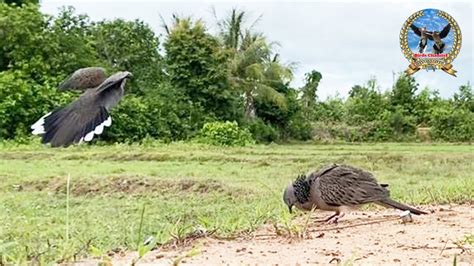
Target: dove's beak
290	208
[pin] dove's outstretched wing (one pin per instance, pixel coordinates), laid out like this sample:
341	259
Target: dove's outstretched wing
84	118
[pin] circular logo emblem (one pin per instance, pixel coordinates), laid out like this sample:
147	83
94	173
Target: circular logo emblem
430	39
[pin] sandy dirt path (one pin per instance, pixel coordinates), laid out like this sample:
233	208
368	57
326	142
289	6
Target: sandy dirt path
361	238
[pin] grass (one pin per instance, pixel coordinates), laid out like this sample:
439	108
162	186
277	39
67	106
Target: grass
121	195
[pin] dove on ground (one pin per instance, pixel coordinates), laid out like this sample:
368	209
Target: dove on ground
87	116
339	188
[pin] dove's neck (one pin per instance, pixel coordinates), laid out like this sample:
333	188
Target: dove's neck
302	190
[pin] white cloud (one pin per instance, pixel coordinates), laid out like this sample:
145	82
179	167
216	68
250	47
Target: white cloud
346	41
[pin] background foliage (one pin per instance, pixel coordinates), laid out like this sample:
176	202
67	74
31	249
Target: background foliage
190	77
224	134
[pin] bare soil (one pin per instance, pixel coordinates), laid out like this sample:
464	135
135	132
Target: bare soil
361	238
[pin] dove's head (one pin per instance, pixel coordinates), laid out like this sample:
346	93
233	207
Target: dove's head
289	197
297	193
128	75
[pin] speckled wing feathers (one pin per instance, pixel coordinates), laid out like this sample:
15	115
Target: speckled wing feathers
342	185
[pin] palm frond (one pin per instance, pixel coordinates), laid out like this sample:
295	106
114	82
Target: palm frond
270	94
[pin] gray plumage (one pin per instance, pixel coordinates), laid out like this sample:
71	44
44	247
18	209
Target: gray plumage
337	187
85	117
84	78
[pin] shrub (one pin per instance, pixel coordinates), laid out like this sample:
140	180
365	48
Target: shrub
157	117
22	102
336	131
130	121
395	125
261	131
224	134
453	124
299	128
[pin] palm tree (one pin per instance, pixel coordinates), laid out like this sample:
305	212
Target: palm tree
231	29
254	69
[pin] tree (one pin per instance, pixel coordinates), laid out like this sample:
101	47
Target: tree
424	103
231	29
310	88
464	98
29	76
50	48
23	101
20	2
21	27
196	66
333	109
403	93
395	124
256	72
453	124
131	46
69	44
365	103
254	69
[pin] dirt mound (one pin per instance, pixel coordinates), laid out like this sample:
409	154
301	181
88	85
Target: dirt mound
123	184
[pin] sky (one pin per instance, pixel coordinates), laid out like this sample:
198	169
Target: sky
347	41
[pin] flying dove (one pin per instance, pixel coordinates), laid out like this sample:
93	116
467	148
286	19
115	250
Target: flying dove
89	114
338	188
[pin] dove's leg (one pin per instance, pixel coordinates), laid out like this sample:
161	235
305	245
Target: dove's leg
325	220
333	219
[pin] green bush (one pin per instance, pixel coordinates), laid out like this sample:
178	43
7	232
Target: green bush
224	134
130	121
299	128
453	124
22	102
163	117
325	131
394	125
262	132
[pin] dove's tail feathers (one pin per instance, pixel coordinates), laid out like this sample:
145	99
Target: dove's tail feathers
397	205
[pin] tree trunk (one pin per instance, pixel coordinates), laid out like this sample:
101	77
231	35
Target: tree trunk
249	106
